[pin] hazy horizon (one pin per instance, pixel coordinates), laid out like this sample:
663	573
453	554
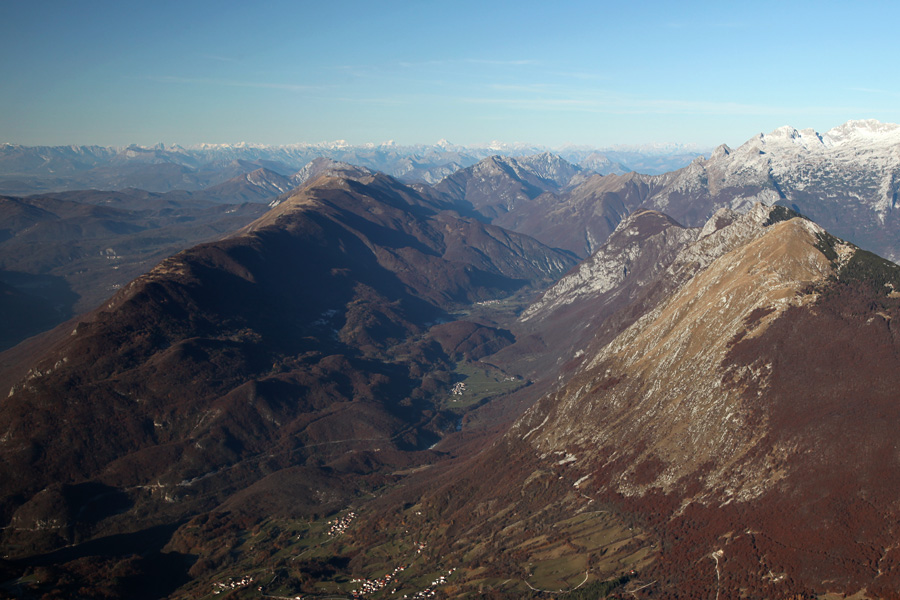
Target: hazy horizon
663	147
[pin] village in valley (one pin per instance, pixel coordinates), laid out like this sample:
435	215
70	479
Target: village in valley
313	563
348	556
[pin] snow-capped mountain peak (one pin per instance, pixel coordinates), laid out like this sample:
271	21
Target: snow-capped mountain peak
867	130
852	169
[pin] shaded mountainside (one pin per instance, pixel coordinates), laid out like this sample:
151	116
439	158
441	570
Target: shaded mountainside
499	185
743	424
259	185
296	352
583	217
548	199
70	251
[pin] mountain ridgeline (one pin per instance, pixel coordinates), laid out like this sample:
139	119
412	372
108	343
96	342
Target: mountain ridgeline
303	339
28	170
524	381
847	180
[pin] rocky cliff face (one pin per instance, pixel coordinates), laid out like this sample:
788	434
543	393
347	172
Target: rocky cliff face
662	378
642	244
591	303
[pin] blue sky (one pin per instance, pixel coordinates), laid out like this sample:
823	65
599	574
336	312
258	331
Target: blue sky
593	73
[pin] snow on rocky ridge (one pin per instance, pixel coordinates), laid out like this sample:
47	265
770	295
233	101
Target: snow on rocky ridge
847	179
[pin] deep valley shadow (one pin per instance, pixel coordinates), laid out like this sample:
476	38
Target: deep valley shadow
31	304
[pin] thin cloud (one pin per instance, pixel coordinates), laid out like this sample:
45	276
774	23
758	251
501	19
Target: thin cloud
220	58
549	104
469	61
581	75
664	106
874	91
628	106
705	25
504	63
235	83
527	88
384	100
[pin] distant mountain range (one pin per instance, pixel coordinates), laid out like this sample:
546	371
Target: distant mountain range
26	170
847	179
525	380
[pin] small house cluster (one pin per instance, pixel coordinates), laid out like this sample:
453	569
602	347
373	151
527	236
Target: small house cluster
370	586
219	586
432	587
340	525
458	389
